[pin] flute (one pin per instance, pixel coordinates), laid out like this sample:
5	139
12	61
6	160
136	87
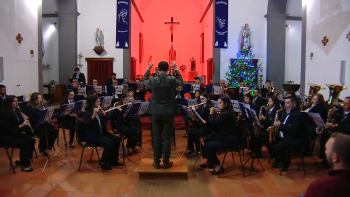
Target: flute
113	108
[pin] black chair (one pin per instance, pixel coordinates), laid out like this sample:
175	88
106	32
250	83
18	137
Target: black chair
233	149
93	146
301	154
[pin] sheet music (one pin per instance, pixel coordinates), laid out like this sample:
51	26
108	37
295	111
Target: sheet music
68	109
77	106
49	113
216	90
215	104
192	102
194	87
201	79
189	112
98	89
118	89
143	108
316	117
243	90
81	91
235	106
107	101
140	86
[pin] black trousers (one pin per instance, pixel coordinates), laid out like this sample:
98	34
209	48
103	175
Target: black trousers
70	125
47	135
282	145
130	132
25	144
194	135
111	145
162	124
210	149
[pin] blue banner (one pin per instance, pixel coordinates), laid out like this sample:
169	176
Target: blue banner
123	22
221	23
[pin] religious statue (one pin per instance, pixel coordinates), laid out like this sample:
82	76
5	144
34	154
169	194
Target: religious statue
172	55
193	63
99	42
245	40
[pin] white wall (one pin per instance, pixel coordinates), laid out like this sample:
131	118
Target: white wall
327	18
98	14
293	42
241	12
19	16
50	36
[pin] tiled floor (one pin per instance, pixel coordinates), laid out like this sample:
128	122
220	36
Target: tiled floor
65	180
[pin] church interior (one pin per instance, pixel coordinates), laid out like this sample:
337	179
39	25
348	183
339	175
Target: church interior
273	60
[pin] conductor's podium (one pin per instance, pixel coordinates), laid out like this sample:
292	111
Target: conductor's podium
179	169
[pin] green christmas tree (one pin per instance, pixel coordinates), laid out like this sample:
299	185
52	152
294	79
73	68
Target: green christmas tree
243	69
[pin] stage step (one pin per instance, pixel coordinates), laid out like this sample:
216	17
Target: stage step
178	171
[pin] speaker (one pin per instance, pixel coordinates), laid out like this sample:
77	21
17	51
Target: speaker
342	72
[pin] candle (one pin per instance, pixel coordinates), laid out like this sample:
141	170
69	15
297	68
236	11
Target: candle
261	68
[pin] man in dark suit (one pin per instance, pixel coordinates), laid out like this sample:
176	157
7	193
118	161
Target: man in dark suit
344	124
163	107
156	72
2	95
79	76
257	99
110	81
290	132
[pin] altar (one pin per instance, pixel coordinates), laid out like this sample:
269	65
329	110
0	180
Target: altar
191	75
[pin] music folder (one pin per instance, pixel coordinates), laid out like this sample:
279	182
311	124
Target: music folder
45	115
143	108
110	89
186	112
209	89
315	118
134	109
77	107
243	110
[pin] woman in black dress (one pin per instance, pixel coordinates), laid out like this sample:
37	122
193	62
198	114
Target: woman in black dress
226	134
15	131
46	132
95	132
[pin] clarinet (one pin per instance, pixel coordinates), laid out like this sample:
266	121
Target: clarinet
30	126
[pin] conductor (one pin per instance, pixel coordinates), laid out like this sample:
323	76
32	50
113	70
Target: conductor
163	108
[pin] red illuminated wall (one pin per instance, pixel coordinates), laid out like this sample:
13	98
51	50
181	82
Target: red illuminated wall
156	34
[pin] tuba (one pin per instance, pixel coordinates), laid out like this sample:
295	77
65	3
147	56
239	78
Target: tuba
333	109
273	131
314	89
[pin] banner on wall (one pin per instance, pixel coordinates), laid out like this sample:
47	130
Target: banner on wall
221	23
123	12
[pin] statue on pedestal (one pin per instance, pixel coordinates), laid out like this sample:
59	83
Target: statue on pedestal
245	40
172	55
193	63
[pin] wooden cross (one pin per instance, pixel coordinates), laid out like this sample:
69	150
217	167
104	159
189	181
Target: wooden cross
172	23
19	38
325	41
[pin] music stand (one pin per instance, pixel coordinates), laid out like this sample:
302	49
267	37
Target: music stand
124	113
133	113
253	118
44	117
64	110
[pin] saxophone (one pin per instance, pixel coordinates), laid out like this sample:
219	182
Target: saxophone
273	131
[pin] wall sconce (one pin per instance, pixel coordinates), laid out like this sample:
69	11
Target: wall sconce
311	55
288	26
31	53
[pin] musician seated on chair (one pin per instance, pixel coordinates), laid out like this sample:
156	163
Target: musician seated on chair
318	105
225	137
290	133
2	94
115	82
337	182
75	83
69	122
95	132
79	76
228	93
266	118
14	130
248	128
179	92
156	72
197	95
257	99
110	81
125	126
200	128
292	94
46	132
95	82
130	94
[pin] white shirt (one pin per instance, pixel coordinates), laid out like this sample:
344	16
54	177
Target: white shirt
285	120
